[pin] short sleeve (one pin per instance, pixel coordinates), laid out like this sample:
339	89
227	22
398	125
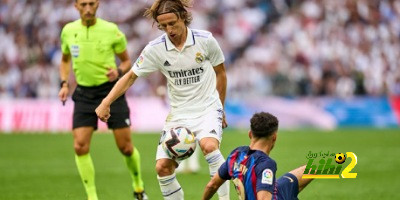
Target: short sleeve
64	43
215	54
120	42
223	171
265	173
225	167
145	63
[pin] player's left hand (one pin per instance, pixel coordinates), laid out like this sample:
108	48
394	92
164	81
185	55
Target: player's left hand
112	74
224	123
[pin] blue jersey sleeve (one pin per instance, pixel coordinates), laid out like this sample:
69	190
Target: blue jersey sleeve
223	171
265	173
225	167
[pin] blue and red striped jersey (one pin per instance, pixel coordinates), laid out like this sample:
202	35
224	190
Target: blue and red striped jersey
255	169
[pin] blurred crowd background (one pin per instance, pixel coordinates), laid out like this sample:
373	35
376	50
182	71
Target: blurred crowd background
338	48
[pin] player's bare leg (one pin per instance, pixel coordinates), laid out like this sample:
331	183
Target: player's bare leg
169	185
84	163
210	148
132	159
298	172
123	140
82	137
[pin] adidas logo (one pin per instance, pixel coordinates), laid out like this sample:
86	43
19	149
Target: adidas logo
167	63
213	132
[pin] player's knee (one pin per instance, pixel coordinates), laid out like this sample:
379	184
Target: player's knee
165	167
126	149
209	145
208	148
81	148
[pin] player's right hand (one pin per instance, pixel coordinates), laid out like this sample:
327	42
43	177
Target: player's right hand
103	112
63	94
224	122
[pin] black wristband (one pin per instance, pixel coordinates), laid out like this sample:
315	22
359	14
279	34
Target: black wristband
120	73
62	83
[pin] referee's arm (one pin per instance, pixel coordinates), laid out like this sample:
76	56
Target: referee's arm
125	64
64	74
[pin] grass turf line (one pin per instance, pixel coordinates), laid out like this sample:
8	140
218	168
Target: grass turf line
42	166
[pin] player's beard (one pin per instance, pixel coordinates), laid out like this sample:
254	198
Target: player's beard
90	19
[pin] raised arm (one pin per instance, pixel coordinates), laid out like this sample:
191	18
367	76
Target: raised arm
122	85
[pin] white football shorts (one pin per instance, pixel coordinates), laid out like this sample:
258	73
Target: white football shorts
208	125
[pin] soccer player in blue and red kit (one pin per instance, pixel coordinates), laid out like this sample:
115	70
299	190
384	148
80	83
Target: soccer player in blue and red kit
251	169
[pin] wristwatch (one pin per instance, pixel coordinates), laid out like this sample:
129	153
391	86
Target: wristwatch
63	82
120	73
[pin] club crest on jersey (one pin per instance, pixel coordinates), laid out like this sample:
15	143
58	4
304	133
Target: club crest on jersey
199	57
75	50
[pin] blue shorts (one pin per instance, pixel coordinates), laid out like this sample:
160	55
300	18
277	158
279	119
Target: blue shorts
288	187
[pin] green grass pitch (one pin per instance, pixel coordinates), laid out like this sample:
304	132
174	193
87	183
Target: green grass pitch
42	166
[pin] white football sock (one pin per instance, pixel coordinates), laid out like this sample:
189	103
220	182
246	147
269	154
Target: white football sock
170	188
215	160
193	161
191	164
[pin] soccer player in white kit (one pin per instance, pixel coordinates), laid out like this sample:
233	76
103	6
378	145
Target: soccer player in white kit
193	63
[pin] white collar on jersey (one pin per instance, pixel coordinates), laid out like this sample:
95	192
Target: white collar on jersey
189	40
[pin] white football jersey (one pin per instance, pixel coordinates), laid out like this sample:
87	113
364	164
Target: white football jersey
191	79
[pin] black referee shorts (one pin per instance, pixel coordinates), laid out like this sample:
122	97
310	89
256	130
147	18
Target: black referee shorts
88	98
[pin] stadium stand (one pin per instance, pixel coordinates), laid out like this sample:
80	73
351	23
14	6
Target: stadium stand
286	48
